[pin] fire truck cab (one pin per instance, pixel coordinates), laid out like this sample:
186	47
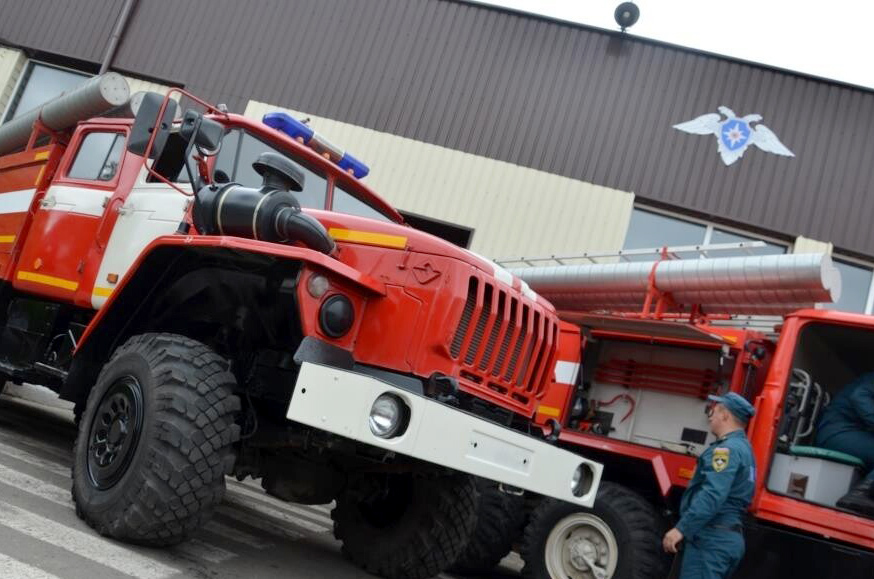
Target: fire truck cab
220	296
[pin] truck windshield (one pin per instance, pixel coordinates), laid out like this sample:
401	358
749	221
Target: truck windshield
239	151
345	202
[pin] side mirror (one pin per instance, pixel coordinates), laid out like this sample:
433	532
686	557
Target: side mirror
146	122
207	133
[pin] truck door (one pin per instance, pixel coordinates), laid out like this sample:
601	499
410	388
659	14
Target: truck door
68	218
802	479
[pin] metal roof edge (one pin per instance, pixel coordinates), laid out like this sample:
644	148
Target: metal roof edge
661	43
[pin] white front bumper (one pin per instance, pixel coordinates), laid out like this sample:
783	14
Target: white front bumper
339	402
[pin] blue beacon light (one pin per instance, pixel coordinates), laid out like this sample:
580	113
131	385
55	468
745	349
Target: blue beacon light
297	130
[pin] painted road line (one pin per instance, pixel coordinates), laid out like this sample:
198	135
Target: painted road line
243	502
200	550
35	486
255	485
257	521
236	535
61	496
10	567
34	460
278	504
88	545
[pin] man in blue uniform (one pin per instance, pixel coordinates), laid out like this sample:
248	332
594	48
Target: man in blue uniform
713	506
847	425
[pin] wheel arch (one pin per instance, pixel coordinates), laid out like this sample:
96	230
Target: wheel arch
197	276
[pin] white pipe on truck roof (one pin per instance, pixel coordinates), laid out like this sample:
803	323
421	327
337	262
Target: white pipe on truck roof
91	99
739	285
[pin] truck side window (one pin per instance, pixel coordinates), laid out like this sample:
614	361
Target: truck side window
239	151
344	202
98	157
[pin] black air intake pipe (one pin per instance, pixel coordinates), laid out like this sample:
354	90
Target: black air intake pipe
271	213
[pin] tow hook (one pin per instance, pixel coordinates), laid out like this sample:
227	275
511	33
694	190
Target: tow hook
554	430
444	388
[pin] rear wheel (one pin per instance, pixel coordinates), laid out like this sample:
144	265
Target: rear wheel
155	440
499	520
619	538
405	526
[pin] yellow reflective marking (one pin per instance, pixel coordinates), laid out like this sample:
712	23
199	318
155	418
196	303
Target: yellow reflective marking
686	473
7	238
39	176
48	280
102	292
549	411
41	156
368	237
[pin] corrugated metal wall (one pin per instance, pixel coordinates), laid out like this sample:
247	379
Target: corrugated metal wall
71	28
559	98
515	211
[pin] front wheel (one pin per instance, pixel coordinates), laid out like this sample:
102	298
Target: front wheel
155	440
406	526
499	521
619	538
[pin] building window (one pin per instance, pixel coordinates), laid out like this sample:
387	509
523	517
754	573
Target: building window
652	229
856	288
40	83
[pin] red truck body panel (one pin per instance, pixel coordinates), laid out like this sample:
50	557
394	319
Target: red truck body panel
673	470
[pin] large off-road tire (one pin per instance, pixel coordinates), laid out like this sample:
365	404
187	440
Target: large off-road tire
155	440
499	521
405	526
621	534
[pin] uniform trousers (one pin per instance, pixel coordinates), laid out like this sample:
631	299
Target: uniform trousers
712	554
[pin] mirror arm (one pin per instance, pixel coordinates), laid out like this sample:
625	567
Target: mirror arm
188	148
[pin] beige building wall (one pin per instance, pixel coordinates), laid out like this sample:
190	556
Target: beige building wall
806	245
11	66
515	211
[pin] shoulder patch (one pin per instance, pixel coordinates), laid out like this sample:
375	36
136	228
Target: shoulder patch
720	458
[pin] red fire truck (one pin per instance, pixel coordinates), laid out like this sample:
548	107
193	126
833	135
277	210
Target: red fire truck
635	366
160	272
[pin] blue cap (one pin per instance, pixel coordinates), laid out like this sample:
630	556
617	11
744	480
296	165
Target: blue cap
736	404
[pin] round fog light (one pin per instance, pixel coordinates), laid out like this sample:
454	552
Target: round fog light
336	316
581	481
388	416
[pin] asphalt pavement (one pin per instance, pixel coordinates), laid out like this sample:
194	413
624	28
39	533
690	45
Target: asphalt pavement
252	535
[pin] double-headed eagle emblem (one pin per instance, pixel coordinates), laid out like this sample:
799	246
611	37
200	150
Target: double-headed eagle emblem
734	134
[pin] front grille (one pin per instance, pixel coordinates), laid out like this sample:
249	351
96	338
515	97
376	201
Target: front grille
506	343
469	306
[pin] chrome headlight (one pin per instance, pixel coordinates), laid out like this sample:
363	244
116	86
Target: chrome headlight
389	416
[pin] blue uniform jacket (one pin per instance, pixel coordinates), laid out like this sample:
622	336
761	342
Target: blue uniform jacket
722	488
852	410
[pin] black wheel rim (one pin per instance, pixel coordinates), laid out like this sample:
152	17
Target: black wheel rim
115	431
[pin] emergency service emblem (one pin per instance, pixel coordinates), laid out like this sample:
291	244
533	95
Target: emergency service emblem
735	134
720	459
